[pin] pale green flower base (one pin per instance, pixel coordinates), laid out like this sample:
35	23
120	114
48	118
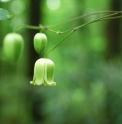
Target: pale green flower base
43	72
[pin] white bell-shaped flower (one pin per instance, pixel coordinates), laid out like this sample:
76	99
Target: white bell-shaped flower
44	72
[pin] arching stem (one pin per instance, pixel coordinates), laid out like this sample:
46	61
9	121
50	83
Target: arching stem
59	43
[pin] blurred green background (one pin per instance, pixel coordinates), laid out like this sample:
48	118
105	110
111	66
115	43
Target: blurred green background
88	64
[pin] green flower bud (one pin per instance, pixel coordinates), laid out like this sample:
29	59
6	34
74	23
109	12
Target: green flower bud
40	42
44	72
13	46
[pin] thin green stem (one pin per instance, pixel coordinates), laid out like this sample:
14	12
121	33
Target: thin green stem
116	17
41	27
86	15
59	43
96	20
57	32
72	30
27	26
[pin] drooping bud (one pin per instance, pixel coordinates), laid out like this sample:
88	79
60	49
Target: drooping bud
40	42
13	46
44	72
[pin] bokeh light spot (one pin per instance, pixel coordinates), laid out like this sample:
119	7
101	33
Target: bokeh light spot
53	4
18	6
4	0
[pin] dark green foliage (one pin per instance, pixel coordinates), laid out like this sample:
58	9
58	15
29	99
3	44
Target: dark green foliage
4	14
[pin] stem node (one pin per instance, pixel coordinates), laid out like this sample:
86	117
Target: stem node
74	29
58	32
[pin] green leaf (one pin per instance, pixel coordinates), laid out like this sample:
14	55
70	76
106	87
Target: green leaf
4	14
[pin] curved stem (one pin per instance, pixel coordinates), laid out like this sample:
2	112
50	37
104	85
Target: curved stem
116	17
40	27
99	19
59	43
79	17
27	26
96	20
72	30
58	32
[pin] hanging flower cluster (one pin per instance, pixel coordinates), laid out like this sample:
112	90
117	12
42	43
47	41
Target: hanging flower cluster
43	68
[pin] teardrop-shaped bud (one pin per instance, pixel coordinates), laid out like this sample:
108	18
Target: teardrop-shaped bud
49	73
13	46
40	42
38	77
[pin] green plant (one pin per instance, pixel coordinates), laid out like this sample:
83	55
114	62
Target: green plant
44	68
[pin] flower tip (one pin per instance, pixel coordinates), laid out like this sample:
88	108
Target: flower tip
54	84
50	84
32	82
37	83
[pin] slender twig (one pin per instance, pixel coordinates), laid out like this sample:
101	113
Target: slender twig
96	20
27	26
59	43
79	17
41	27
72	30
116	17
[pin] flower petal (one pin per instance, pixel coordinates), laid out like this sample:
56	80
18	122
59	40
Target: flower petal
39	72
49	73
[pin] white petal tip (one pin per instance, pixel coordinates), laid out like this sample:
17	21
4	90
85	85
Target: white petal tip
50	84
37	83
